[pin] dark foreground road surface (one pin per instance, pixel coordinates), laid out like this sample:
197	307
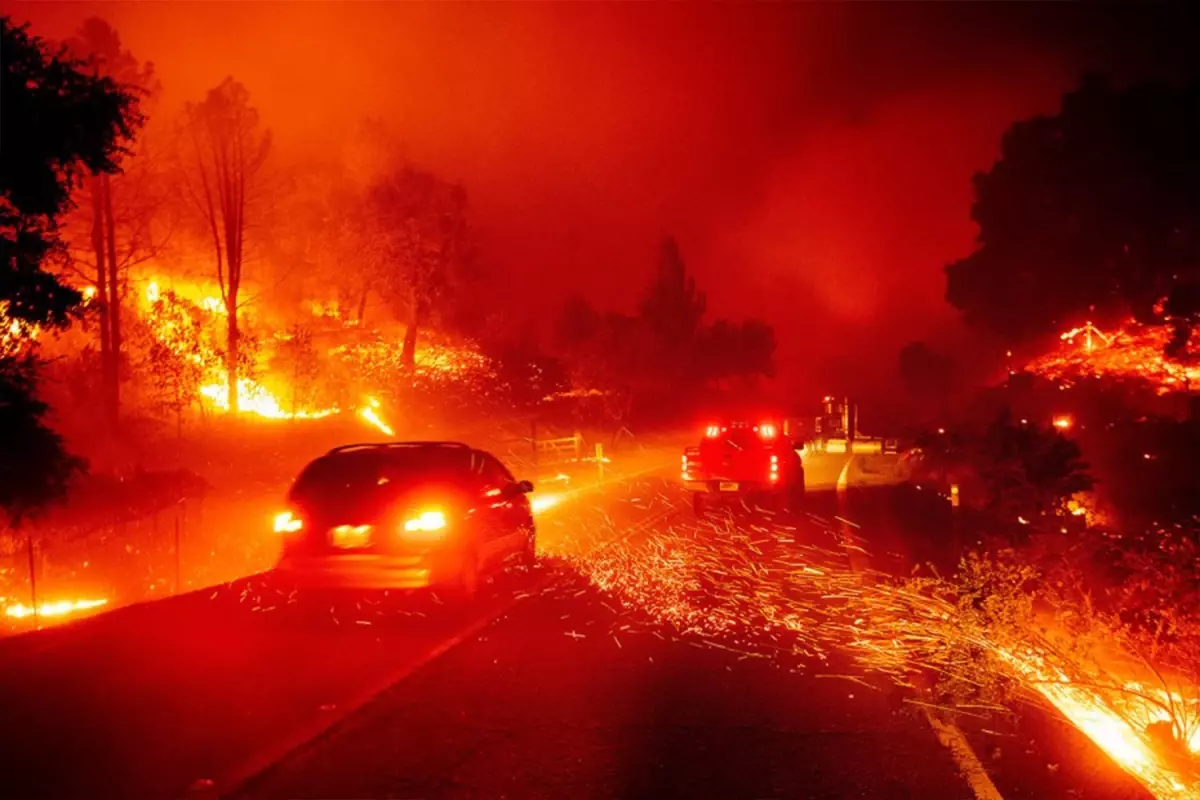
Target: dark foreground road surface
610	671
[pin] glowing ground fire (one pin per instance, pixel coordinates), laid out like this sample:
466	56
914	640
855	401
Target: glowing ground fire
252	397
59	608
1135	352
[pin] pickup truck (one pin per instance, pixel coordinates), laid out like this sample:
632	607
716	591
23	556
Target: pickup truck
745	461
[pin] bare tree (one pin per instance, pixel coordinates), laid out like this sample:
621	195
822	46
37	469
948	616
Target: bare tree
229	149
120	207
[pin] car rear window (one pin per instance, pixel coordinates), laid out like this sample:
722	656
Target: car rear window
363	472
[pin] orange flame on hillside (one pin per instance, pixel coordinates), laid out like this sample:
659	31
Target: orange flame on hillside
252	397
1135	352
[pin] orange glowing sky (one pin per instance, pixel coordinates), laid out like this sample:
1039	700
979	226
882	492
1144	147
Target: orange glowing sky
821	152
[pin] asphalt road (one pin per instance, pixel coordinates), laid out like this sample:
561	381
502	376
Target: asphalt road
649	655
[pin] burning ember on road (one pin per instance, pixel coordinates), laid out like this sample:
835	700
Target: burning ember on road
1134	352
60	608
370	413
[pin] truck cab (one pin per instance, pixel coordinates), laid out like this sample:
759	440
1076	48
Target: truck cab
747	460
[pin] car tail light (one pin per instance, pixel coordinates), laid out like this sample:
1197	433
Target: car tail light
287	522
712	431
425	526
767	431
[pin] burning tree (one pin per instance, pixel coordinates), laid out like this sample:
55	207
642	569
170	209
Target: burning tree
176	353
298	357
229	149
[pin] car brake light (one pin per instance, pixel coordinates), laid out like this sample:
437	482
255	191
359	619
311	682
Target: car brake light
767	430
774	468
712	431
287	522
426	525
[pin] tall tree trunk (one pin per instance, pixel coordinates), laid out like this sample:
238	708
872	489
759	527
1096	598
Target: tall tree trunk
231	353
114	304
362	304
107	373
408	355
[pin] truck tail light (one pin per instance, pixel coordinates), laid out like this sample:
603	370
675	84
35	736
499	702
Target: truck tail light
712	431
767	431
774	468
684	467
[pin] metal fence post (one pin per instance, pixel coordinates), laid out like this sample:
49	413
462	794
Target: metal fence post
32	576
177	583
600	459
533	442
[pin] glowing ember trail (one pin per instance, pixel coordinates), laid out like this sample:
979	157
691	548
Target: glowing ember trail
1094	711
57	609
757	590
370	413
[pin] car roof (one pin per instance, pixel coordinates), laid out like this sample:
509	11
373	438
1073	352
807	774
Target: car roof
397	446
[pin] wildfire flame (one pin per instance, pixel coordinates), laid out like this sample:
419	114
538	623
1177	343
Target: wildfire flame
1095	712
253	398
60	608
1134	352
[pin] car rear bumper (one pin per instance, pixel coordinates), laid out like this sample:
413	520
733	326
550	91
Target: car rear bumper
723	487
360	571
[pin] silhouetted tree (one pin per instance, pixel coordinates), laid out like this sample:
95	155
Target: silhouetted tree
424	245
1092	212
229	148
1009	467
57	123
578	323
735	351
119	231
928	376
673	308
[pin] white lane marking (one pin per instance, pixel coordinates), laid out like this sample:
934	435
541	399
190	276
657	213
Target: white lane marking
237	777
843	481
969	765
